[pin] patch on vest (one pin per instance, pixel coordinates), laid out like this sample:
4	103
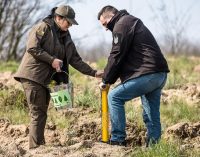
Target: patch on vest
40	32
116	38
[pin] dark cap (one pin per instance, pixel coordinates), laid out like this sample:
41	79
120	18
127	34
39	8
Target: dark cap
67	12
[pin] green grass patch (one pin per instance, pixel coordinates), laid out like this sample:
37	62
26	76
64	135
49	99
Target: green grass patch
13	106
164	149
15	115
74	72
9	66
177	111
87	99
101	63
59	119
134	113
181	71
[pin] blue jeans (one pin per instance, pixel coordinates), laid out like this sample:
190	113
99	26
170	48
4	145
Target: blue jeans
148	87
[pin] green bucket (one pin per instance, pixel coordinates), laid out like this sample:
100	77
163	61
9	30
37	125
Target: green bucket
62	95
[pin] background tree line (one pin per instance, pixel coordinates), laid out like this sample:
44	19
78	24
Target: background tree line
17	16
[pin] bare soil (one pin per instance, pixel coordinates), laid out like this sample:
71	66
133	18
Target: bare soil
83	136
188	133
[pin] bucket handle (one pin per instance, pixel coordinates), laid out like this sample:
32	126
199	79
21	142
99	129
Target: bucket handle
69	79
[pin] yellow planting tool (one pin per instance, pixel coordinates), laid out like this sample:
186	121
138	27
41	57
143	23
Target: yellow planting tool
104	114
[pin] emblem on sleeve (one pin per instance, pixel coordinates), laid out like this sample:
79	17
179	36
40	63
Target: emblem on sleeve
116	40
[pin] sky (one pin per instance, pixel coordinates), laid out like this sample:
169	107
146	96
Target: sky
89	32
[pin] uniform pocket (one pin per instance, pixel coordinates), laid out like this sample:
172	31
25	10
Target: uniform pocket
30	96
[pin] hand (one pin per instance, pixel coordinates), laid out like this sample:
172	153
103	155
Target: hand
57	64
102	85
99	74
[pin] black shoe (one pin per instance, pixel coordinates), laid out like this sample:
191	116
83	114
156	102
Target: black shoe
123	143
151	142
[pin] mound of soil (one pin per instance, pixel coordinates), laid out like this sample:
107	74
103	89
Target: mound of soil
2	86
6	78
188	92
188	133
135	135
80	139
83	136
197	68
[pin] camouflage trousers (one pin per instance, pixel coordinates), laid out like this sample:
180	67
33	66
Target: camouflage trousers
38	98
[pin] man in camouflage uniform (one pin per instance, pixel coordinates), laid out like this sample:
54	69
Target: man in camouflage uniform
49	46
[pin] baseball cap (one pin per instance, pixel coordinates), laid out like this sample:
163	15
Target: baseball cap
67	12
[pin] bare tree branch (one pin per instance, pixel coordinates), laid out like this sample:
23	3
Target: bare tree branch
172	25
16	16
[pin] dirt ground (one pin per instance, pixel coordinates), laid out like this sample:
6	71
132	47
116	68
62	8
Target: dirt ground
80	140
83	136
189	133
188	92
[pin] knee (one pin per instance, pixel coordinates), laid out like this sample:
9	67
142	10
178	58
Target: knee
110	98
111	95
38	114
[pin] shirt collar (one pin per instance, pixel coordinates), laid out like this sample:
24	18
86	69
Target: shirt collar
116	18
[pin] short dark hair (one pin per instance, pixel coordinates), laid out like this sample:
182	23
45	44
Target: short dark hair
53	11
53	14
105	9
